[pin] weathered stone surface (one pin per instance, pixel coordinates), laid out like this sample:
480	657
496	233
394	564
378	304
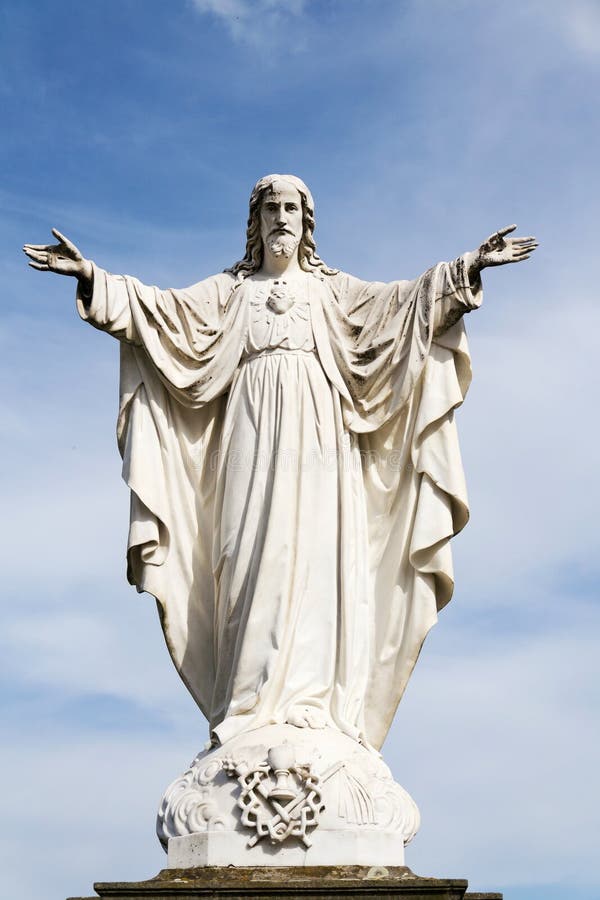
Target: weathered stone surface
306	882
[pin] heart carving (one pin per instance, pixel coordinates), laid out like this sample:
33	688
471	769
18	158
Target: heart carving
280	299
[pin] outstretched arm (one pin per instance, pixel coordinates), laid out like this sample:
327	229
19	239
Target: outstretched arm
465	272
63	258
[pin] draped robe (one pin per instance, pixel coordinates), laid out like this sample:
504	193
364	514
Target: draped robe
257	613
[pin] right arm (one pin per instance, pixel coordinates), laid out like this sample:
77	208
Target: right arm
192	336
102	299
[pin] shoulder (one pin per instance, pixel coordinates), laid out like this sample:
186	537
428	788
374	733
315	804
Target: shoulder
344	285
337	282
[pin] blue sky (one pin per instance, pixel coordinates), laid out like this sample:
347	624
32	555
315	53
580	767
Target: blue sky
138	129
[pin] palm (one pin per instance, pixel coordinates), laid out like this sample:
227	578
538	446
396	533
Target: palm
499	249
63	258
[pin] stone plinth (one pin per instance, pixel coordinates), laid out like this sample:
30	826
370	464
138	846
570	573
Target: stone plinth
349	848
307	882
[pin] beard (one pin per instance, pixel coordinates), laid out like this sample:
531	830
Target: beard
283	245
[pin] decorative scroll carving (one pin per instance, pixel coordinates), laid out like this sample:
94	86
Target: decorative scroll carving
189	805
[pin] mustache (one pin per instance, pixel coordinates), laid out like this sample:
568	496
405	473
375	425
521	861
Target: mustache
281	230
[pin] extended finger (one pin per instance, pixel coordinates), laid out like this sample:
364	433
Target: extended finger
506	230
517	245
525	240
64	240
41	266
38	255
45	247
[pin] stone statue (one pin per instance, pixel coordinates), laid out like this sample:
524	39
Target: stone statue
287	432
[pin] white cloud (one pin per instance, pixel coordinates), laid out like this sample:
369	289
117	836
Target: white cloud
497	742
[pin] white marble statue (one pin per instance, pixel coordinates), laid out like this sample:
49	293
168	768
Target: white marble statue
287	432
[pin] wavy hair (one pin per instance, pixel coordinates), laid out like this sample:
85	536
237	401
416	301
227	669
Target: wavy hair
308	258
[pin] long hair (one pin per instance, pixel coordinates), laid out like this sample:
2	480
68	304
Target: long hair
307	251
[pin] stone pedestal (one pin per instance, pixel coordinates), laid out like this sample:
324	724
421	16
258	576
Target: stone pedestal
287	797
307	882
284	811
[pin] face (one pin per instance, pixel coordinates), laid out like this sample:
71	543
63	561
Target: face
281	219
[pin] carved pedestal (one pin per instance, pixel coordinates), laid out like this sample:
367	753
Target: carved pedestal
287	796
288	812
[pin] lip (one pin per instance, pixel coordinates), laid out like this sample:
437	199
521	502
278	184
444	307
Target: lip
282	231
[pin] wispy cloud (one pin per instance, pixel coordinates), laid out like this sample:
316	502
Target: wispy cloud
577	22
493	726
257	22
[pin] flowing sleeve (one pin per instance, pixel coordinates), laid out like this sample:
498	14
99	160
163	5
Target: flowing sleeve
189	336
460	296
107	306
382	335
401	349
179	353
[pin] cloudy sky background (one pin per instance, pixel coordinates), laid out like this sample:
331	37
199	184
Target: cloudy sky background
138	129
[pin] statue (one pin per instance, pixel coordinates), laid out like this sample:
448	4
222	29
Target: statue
288	436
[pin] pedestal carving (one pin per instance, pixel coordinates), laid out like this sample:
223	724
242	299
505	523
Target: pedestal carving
307	795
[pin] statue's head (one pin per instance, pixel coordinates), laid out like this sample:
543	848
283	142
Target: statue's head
264	190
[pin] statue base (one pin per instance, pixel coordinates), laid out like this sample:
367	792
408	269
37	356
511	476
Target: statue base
305	881
283	811
286	796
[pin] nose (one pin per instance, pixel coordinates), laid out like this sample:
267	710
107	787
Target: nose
281	216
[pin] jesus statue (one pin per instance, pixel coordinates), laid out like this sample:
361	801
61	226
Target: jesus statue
288	437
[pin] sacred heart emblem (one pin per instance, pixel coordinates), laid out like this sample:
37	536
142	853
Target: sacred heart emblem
281	298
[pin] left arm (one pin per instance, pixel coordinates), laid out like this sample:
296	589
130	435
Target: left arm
497	250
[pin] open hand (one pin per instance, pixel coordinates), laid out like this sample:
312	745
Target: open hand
63	258
498	249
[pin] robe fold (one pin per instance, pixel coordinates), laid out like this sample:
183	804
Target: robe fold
251	601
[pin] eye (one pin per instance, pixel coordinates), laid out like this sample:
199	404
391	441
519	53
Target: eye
291	207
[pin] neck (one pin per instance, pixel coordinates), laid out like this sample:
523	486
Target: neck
277	266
